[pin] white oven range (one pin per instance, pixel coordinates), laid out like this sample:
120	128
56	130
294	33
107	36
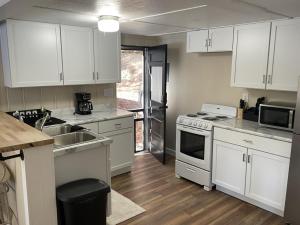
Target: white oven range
194	142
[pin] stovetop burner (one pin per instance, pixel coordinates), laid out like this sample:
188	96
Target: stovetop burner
222	117
202	113
210	118
191	115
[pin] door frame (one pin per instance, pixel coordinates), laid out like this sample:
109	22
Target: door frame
136	120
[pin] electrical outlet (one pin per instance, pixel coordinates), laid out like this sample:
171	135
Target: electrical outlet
108	92
245	97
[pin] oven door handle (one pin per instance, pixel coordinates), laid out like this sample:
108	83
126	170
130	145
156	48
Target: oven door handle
194	131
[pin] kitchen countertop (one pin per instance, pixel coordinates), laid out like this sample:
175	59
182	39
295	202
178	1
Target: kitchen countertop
16	135
69	117
250	127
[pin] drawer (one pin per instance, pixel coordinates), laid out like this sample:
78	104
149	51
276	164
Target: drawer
91	126
116	124
268	145
193	173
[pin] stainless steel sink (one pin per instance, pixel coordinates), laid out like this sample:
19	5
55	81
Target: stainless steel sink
57	130
78	137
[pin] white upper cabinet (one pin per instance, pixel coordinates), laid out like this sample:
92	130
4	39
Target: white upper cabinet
284	66
31	54
107	50
229	167
78	55
250	55
267	177
212	40
220	39
197	41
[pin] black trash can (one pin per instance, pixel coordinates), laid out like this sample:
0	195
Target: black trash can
82	202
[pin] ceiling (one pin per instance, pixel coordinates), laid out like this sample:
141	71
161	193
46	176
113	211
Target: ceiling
152	17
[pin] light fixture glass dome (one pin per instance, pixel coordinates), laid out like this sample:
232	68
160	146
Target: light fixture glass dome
108	23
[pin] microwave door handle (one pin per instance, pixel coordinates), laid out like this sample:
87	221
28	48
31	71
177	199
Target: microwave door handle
291	119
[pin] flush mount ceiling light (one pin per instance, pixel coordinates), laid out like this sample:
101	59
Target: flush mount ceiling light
108	23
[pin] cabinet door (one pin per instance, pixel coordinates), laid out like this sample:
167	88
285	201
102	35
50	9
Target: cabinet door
250	55
197	41
107	49
284	66
267	177
221	39
33	54
122	148
229	166
78	55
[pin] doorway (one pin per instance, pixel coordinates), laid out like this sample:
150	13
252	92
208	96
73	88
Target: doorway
143	91
130	92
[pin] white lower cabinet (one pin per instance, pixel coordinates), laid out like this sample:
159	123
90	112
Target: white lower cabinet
267	176
121	131
122	150
256	176
229	168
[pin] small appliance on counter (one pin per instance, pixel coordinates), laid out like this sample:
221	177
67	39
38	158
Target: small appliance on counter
277	115
30	116
251	114
83	105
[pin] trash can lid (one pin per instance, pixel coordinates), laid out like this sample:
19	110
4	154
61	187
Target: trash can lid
78	189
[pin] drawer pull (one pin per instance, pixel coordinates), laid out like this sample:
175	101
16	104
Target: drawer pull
118	125
248	141
193	171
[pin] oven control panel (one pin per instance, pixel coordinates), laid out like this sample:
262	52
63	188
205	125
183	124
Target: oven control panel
196	123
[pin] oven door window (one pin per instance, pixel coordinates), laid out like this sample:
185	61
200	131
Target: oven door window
192	145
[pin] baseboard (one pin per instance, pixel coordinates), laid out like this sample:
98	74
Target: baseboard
170	151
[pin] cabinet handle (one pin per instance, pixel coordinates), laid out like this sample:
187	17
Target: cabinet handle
206	43
248	141
61	76
97	75
210	42
244	157
93	75
248	158
269	79
264	79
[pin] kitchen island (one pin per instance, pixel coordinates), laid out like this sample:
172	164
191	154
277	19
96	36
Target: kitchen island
32	194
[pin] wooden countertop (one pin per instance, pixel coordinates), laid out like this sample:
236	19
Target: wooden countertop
16	135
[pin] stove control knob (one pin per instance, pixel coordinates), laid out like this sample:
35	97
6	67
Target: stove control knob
190	123
200	125
206	125
195	124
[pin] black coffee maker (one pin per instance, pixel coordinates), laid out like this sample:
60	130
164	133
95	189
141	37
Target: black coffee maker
83	105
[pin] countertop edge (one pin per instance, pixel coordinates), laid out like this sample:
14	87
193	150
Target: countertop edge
254	133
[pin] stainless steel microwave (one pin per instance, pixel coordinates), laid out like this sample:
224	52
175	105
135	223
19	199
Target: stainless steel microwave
277	115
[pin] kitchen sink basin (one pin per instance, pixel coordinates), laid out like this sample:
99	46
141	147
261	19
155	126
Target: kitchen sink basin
60	129
73	138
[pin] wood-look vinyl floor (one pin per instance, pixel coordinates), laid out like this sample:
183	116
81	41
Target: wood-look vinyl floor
172	201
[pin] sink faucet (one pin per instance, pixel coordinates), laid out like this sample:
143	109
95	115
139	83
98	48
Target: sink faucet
40	123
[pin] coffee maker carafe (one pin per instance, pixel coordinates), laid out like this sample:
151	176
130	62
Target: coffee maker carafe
83	105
